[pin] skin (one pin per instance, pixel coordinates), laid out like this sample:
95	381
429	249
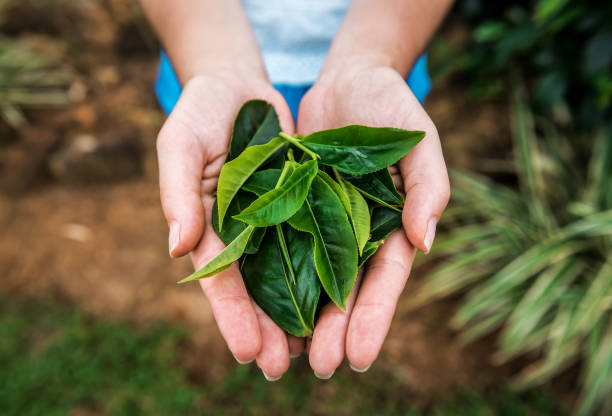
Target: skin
362	82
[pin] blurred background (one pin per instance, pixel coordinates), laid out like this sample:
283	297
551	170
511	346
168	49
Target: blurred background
509	315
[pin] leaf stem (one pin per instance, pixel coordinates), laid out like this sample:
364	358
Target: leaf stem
337	175
299	145
283	174
285	251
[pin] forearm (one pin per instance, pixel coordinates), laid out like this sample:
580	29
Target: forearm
385	32
204	36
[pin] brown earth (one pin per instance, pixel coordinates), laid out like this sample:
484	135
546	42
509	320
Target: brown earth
103	246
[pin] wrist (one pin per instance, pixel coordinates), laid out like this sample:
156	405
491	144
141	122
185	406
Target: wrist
222	68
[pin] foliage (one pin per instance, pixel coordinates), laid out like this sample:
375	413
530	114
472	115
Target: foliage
305	229
58	361
534	260
563	47
30	79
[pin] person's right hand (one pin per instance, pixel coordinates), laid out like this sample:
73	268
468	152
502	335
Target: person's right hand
192	147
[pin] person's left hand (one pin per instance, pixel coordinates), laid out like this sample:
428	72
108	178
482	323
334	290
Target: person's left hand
377	96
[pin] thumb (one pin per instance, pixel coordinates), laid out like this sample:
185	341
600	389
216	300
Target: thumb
181	160
427	189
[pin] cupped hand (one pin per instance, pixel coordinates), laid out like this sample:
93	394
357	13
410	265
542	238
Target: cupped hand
377	96
192	147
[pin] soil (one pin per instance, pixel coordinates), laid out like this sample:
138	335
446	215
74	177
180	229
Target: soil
103	246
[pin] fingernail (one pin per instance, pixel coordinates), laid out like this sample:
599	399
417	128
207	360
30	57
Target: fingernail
360	370
294	355
430	234
324	376
271	378
242	362
174	236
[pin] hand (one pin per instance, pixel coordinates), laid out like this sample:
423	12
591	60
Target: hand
377	96
192	147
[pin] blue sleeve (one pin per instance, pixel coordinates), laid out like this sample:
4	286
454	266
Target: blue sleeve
168	88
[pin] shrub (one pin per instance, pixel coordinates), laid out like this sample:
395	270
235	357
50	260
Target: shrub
533	261
565	49
30	79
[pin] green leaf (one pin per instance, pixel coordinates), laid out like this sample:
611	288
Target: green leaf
545	9
384	221
230	254
263	181
335	248
282	245
547	290
236	172
458	273
597	384
358	214
358	150
369	250
256	123
232	228
291	306
279	204
378	184
338	190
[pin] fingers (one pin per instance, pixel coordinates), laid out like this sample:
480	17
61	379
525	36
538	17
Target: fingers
382	285
181	161
426	183
327	346
229	300
273	358
296	345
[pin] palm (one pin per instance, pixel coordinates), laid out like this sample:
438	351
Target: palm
192	147
377	97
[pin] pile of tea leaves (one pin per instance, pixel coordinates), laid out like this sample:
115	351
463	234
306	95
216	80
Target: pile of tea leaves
302	214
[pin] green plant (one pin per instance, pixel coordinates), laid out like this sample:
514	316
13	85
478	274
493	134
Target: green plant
57	360
294	226
564	47
534	260
30	79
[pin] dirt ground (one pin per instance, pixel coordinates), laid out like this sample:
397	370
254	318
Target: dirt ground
103	246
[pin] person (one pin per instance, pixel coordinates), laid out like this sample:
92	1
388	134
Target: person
214	64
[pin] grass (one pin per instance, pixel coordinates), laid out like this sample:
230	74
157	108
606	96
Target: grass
57	360
30	79
532	260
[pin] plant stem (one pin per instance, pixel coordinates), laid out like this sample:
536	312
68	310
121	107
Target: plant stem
285	251
281	178
299	145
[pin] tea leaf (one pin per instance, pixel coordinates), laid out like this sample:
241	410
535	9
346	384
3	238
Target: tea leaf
280	204
369	250
358	150
282	245
236	172
232	228
359	214
338	190
263	181
230	254
384	222
335	249
256	123
291	306
378	184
